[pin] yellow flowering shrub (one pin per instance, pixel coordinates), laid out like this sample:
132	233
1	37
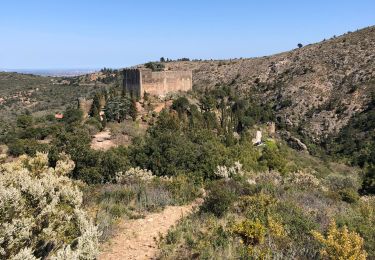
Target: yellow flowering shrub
275	228
251	232
261	237
340	244
259	201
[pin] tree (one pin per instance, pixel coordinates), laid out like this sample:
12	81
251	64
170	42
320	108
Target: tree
171	148
181	105
73	116
207	101
162	59
76	143
222	98
117	109
299	45
95	108
155	66
273	159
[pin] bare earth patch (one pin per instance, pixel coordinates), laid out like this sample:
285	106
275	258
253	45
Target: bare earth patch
102	141
136	239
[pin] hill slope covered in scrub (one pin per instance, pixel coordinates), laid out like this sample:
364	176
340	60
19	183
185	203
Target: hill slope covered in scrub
38	95
263	200
314	90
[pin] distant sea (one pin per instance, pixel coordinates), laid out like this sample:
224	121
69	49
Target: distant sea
53	72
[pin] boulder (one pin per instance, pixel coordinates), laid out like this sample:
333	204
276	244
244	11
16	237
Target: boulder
297	144
293	142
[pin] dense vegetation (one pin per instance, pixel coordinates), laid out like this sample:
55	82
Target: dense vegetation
39	96
356	143
265	201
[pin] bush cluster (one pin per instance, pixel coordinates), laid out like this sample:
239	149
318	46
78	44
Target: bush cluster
41	214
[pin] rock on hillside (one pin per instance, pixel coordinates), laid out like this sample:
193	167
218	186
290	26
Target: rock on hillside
316	88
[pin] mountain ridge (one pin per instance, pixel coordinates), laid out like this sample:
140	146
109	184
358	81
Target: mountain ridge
318	87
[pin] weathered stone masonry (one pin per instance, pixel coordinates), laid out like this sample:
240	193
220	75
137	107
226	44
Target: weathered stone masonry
158	83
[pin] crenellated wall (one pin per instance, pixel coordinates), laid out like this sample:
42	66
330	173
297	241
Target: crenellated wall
158	83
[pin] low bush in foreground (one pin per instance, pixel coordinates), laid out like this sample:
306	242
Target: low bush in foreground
41	214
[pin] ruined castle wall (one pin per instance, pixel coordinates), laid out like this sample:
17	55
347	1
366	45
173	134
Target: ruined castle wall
163	82
139	81
132	82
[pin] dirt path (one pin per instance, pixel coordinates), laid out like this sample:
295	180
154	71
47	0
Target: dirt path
136	238
102	141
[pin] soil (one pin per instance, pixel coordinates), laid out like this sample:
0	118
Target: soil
137	239
102	141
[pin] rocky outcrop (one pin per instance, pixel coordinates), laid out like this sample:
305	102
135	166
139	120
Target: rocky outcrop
297	144
293	141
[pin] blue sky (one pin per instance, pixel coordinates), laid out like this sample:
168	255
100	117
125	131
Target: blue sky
95	34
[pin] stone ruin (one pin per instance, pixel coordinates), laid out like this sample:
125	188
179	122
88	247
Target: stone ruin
258	138
136	82
270	130
85	105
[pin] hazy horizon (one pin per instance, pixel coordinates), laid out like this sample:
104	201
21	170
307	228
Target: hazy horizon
68	72
63	35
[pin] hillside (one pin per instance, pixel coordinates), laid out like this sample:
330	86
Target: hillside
91	180
314	90
39	95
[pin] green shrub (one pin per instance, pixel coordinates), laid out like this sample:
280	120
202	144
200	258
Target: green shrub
340	182
184	189
299	223
181	105
26	146
118	195
37	133
273	159
16	148
89	175
94	125
25	121
73	116
257	206
349	195
155	66
219	199
117	210
368	185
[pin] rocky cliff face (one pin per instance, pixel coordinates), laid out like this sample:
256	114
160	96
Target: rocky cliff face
316	88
